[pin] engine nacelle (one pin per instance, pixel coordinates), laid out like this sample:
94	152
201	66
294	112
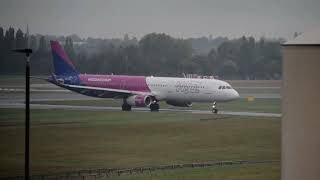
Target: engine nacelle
139	100
179	103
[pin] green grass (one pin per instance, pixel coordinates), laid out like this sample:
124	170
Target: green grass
243	172
258	105
64	140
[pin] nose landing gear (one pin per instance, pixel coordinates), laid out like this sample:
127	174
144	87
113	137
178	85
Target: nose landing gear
214	109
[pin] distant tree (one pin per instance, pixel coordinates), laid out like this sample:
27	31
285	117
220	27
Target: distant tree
1	35
214	61
33	43
2	52
245	59
20	40
203	65
132	60
1	41
74	37
155	54
252	54
81	62
203	45
228	70
126	38
10	59
41	60
68	47
161	51
43	48
9	38
134	40
18	59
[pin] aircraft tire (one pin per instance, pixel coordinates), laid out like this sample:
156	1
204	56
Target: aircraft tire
154	107
215	111
126	107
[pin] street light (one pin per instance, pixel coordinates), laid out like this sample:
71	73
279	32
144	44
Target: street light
27	52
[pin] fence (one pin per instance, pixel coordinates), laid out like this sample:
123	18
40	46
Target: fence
93	174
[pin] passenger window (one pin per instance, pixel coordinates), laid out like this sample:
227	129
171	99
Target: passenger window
220	87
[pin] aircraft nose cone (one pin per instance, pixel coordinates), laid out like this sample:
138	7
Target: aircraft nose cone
235	95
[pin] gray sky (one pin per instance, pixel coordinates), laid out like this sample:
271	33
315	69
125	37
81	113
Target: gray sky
179	18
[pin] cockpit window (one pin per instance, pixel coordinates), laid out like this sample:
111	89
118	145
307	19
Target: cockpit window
225	87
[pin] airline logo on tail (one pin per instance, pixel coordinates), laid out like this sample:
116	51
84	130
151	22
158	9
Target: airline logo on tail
61	62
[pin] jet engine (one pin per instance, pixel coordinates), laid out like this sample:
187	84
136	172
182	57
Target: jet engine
139	100
179	103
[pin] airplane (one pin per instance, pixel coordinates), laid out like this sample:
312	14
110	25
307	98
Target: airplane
138	91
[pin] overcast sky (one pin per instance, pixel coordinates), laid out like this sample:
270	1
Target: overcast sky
179	18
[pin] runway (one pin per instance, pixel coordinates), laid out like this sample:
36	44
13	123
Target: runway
12	96
97	108
46	92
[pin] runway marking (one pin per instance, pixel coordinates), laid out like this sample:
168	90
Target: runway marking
97	108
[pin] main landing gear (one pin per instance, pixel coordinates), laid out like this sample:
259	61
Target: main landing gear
154	107
126	106
214	109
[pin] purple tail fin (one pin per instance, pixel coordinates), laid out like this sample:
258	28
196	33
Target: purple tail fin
61	62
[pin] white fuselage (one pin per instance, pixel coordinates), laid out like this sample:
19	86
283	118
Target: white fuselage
191	90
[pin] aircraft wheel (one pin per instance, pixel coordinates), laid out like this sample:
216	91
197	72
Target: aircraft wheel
126	107
154	107
215	111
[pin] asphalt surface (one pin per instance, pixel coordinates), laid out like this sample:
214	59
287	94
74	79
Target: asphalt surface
14	96
45	92
98	108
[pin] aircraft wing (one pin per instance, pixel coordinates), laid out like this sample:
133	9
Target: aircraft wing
103	92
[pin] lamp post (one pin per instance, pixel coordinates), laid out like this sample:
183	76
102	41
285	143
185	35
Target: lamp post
27	52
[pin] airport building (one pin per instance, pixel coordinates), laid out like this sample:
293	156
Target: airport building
301	108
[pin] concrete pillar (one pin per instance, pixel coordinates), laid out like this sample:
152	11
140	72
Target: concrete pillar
301	111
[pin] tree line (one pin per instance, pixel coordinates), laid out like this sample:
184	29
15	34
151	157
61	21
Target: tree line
155	54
